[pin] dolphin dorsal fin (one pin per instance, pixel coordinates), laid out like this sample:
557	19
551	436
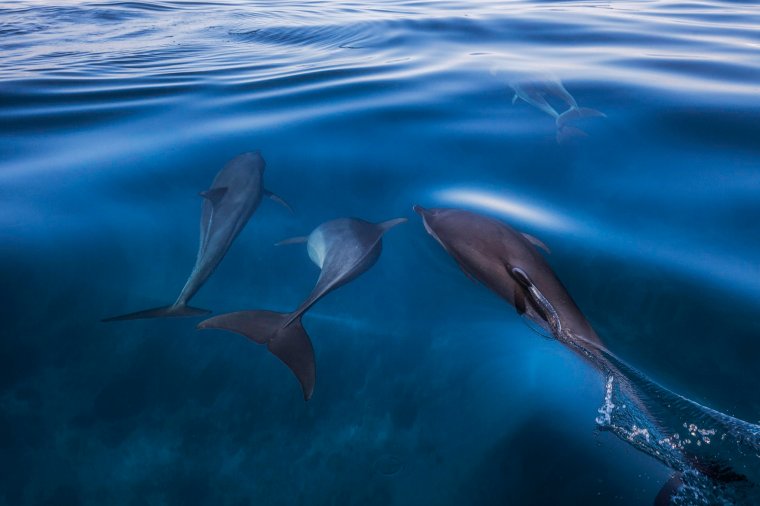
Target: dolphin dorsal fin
278	199
214	195
293	240
536	242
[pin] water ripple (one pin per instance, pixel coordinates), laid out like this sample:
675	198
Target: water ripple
669	39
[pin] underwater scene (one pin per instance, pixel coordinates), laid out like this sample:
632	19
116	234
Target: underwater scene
401	252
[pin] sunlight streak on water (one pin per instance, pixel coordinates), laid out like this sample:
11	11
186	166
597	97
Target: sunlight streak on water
721	268
510	207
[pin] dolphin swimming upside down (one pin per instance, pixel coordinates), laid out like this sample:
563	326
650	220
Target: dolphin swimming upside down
343	249
228	204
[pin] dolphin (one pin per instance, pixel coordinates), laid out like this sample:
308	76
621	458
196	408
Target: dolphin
343	249
535	92
667	426
497	255
228	204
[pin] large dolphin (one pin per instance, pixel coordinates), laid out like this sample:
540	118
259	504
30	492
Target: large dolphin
228	204
704	447
343	249
535	90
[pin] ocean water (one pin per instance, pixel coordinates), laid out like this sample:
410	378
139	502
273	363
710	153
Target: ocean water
430	389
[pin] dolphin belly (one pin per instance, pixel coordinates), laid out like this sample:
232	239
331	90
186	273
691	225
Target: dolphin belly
316	246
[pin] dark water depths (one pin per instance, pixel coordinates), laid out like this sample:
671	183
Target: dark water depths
430	389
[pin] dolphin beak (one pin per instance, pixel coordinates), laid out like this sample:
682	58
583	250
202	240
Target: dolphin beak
419	210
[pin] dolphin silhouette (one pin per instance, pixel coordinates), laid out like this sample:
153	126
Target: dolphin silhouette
228	204
679	432
534	91
343	249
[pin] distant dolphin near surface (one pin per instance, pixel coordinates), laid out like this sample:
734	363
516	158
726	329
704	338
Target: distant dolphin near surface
228	204
343	249
712	453
535	90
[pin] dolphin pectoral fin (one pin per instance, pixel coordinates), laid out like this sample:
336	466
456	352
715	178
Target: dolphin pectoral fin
670	489
519	301
289	343
514	99
389	224
278	199
536	242
522	297
160	312
214	195
293	240
537	299
520	276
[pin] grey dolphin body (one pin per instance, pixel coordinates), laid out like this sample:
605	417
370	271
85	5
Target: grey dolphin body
535	91
502	258
343	249
228	204
656	419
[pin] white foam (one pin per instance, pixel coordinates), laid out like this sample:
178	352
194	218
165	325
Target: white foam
605	412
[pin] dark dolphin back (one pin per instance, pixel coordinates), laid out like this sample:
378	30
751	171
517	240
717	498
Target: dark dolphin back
487	249
679	432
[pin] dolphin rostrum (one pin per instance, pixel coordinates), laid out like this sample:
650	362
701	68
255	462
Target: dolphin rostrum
343	249
702	445
535	91
228	204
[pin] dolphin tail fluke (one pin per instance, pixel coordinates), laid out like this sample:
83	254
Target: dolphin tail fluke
575	113
160	312
567	133
287	341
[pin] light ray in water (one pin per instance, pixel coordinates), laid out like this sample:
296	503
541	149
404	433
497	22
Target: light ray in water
721	268
508	206
359	324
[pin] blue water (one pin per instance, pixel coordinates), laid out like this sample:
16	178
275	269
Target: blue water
430	389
